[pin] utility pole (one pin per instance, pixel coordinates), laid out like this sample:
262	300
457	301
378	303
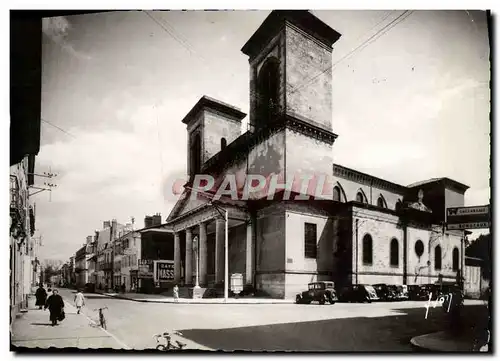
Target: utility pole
48	186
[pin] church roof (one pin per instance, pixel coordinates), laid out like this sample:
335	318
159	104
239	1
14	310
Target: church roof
215	104
302	19
444	180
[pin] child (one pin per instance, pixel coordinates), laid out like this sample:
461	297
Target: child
79	301
176	293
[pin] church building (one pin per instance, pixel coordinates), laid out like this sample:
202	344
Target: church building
361	230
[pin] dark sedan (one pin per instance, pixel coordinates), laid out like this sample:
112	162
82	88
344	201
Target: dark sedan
384	292
358	293
321	292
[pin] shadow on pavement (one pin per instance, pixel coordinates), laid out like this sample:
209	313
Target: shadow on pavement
95	297
358	334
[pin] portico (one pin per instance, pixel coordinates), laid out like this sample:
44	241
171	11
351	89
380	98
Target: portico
206	223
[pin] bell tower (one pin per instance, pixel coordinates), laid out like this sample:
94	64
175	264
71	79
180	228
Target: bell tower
290	58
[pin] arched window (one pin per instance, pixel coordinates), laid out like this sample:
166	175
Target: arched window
360	198
455	256
394	252
336	194
367	249
267	91
437	258
223	143
419	248
195	154
381	202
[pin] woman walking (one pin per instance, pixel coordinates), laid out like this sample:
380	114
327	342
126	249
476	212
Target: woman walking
79	301
41	296
55	304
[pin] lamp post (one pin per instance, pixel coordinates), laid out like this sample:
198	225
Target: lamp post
226	259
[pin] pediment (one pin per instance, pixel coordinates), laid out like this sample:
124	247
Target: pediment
185	204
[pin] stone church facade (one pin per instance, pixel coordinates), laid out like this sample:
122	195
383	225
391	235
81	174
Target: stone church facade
361	229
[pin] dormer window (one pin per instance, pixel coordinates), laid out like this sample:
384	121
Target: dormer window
223	143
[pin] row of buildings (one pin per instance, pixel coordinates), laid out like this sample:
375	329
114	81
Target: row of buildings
119	257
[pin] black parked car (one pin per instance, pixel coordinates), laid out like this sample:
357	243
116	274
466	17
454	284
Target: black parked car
89	288
384	292
318	291
415	293
427	289
358	293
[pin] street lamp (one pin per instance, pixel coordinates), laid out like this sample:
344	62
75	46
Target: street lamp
226	259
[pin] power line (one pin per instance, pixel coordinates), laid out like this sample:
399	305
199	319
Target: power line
55	126
360	47
175	36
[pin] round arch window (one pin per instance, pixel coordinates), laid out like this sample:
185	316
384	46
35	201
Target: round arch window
419	248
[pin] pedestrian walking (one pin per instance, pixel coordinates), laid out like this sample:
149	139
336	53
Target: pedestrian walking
176	293
41	296
55	304
79	301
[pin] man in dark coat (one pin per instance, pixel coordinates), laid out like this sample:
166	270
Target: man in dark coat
55	304
41	296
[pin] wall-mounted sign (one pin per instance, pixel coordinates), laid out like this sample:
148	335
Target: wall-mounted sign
164	270
462	218
145	269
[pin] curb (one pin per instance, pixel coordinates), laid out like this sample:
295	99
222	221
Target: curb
418	347
198	302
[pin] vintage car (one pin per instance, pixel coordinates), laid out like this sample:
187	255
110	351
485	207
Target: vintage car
358	293
402	292
415	293
318	291
384	292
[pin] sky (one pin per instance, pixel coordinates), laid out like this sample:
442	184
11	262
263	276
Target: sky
412	104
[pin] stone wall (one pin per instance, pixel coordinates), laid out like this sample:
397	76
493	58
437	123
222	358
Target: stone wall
308	83
217	126
307	156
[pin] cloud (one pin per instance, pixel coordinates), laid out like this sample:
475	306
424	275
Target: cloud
58	30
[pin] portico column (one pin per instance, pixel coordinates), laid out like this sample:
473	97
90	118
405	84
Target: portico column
202	254
249	254
189	257
219	250
177	258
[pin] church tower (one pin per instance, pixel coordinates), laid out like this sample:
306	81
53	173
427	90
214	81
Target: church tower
290	58
211	126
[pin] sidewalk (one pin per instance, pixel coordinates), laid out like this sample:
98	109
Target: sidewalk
33	329
141	297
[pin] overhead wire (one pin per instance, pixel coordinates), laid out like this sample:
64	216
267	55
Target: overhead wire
57	127
360	47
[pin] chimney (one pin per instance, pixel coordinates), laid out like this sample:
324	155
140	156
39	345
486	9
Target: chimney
157	219
114	230
148	221
106	224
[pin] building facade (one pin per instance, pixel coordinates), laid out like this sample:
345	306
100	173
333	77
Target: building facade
23	246
357	229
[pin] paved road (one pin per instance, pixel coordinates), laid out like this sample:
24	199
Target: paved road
339	327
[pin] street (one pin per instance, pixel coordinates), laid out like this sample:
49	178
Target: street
271	327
